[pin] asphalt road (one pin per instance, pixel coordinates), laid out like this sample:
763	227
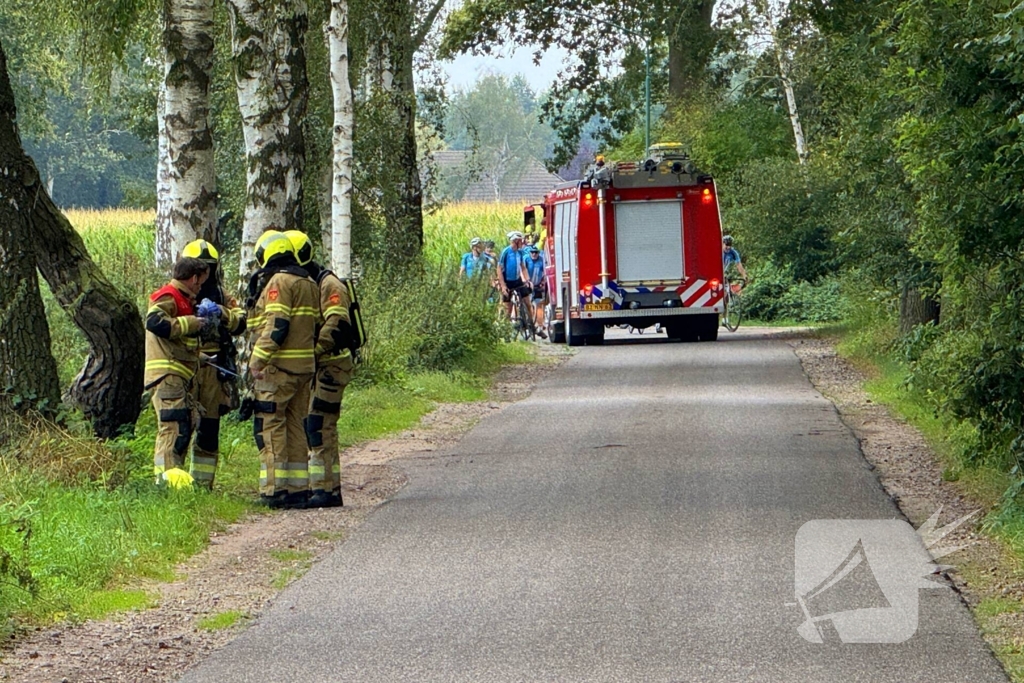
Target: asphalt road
635	519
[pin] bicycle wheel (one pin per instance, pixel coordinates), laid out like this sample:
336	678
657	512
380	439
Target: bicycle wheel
733	314
526	323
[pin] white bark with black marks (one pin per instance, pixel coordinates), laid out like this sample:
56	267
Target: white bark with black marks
342	141
187	162
272	89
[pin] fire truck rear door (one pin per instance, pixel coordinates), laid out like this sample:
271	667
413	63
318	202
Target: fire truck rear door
649	240
566	214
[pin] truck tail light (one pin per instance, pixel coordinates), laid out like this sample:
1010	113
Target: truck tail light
588	200
588	289
715	285
707	198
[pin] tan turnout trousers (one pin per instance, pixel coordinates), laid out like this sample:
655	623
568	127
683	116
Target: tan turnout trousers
174	407
214	402
282	400
322	425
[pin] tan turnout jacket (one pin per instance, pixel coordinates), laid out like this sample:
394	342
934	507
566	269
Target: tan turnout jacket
172	347
283	324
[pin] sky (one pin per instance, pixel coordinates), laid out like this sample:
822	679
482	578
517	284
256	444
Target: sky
464	70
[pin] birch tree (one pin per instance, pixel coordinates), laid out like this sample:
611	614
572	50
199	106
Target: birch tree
272	87
342	141
764	25
187	182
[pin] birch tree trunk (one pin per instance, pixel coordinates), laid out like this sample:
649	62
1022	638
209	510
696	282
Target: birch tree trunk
28	371
164	229
342	141
109	387
794	114
273	90
191	192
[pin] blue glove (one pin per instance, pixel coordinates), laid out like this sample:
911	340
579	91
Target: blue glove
208	309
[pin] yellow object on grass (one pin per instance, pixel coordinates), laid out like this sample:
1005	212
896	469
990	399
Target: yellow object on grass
177	478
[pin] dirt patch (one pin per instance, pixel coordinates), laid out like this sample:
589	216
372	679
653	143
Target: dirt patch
984	572
246	565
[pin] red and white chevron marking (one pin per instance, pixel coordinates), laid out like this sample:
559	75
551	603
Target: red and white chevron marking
698	293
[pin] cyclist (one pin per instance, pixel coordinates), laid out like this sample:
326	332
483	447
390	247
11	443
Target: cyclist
512	275
474	262
731	257
535	272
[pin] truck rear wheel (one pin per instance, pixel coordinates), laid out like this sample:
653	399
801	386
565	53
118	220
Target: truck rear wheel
680	330
708	327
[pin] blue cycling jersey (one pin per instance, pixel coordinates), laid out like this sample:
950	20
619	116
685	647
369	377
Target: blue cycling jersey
535	269
729	257
510	259
475	264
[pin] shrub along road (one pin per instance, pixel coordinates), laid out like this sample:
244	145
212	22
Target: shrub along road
635	519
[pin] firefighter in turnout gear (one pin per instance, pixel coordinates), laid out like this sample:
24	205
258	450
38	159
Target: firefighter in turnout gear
172	359
283	320
334	367
213	386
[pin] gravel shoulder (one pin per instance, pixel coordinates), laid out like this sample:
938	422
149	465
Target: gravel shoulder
987	576
248	564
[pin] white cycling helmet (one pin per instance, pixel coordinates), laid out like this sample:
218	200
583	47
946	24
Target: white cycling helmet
475	241
514	235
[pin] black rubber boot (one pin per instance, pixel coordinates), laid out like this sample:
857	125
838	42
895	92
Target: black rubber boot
276	501
323	499
296	500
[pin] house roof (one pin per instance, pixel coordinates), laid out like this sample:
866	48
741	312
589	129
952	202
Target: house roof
527	180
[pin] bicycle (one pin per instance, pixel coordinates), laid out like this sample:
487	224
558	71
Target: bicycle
521	323
524	324
733	313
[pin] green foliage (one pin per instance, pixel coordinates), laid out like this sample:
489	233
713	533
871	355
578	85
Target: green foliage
775	295
781	211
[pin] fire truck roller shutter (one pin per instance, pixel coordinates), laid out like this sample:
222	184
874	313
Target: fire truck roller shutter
649	241
565	237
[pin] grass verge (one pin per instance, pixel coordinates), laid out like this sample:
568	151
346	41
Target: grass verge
79	520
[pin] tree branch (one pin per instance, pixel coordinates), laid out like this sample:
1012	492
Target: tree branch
428	21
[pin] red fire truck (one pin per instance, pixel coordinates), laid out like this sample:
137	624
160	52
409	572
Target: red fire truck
637	244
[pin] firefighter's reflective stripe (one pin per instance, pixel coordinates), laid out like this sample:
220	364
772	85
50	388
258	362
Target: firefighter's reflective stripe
282	353
170	366
336	310
328	359
293	353
257	321
317	469
288	474
292	312
202	465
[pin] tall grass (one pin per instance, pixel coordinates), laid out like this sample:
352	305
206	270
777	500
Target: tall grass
446	232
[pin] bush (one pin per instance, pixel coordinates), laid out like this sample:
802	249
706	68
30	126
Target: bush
774	295
436	323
